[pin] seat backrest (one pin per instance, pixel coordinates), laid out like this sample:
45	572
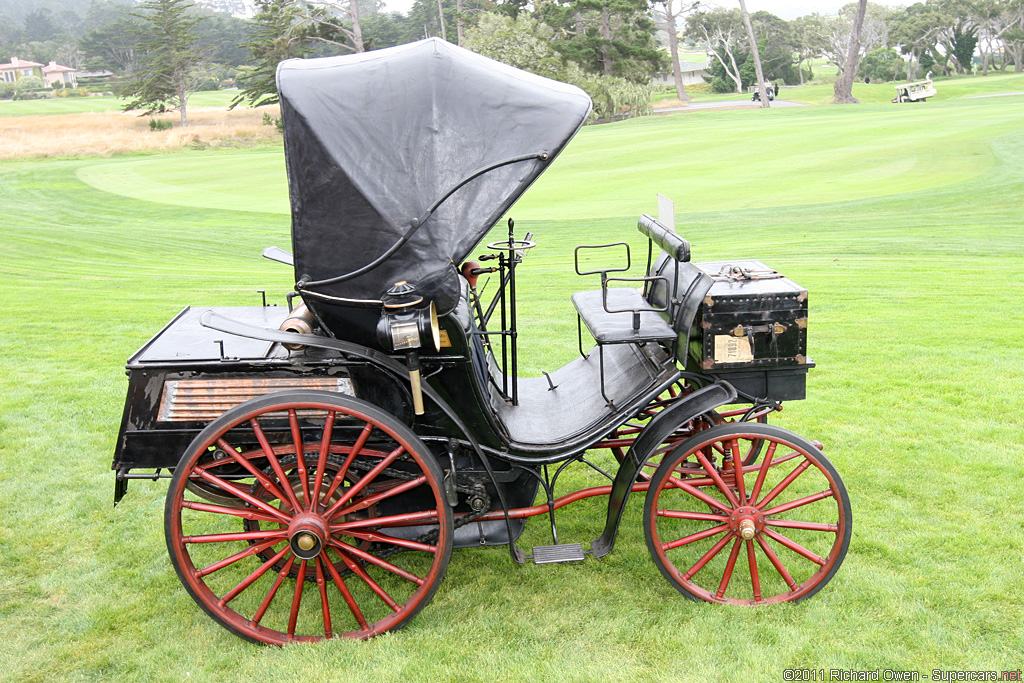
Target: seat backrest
668	240
690	285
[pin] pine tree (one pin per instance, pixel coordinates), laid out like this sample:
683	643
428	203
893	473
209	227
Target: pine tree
278	35
172	65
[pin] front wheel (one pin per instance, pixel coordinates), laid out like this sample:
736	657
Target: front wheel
329	519
778	532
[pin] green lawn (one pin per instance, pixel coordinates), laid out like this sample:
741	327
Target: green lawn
99	103
905	224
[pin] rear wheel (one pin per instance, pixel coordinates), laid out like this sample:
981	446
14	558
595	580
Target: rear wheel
778	532
332	520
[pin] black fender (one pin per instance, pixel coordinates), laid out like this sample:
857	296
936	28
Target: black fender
657	430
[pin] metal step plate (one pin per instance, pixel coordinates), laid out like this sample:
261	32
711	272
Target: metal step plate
564	552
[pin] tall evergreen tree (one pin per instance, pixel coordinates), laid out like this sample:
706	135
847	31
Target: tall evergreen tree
172	65
610	37
277	36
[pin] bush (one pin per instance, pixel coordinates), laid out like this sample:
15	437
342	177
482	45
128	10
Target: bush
274	121
157	124
60	93
57	85
208	84
35	94
84	92
883	64
6	91
26	83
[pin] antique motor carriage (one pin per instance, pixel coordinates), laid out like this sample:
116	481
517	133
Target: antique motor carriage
325	457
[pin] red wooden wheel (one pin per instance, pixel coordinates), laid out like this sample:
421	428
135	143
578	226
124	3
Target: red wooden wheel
777	533
333	521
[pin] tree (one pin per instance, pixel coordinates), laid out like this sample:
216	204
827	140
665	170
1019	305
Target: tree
809	39
883	64
761	90
114	46
527	43
874	32
1011	33
669	18
277	35
843	87
223	37
172	65
522	42
916	30
334	21
719	32
611	37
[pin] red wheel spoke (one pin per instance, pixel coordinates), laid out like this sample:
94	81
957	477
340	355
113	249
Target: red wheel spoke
322	585
373	559
776	562
242	495
245	513
249	467
363	481
719	482
347	596
717	548
809	526
357	447
281	575
797	471
300	582
260	571
321	461
713	503
401	542
827	493
755	578
700	516
377	497
407	519
361	573
795	547
737	470
707	481
300	456
359	484
275	465
695	537
763	471
276	534
729	566
251	550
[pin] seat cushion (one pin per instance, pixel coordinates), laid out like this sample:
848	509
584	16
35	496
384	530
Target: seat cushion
617	328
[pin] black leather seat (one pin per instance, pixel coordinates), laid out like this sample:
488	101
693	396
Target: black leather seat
617	328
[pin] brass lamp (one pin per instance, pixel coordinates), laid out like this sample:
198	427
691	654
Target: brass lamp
405	324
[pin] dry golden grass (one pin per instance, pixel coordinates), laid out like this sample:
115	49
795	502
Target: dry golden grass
669	104
109	133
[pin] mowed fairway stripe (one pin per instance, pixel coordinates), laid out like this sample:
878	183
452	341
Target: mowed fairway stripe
236	181
707	161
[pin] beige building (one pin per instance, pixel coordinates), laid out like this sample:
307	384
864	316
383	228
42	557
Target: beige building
51	73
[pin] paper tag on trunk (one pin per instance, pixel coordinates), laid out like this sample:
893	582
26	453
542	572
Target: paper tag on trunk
729	349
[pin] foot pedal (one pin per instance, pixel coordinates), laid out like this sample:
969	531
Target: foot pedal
564	552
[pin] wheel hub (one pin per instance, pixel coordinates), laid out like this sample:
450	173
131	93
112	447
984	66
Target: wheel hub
307	535
746	522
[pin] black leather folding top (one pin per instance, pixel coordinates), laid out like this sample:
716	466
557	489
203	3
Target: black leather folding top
617	328
546	416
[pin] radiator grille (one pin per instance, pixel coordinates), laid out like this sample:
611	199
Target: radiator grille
202	400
